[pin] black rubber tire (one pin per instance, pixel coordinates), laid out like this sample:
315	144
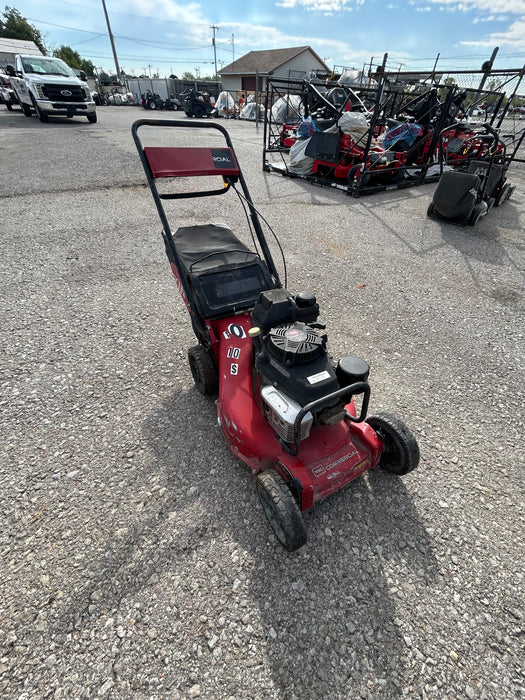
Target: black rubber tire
203	370
92	118
152	104
26	109
188	114
353	175
400	449
475	215
503	195
9	106
281	510
41	115
198	111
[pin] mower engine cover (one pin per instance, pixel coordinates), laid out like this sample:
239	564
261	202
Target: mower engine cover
292	365
293	358
456	194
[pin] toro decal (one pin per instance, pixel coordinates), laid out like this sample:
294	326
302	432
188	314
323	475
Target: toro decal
223	159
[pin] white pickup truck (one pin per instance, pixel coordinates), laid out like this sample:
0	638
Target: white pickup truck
50	88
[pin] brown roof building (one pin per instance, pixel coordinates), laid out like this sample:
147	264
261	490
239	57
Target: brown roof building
294	63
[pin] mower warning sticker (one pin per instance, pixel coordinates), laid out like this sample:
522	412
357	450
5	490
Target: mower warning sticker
223	159
319	377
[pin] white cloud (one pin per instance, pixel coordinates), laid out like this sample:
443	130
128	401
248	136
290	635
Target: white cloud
514	36
493	7
327	7
195	23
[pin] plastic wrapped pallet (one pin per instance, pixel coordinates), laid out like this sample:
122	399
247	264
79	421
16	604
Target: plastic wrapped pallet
299	163
356	126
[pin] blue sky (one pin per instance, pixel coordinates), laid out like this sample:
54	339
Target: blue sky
171	37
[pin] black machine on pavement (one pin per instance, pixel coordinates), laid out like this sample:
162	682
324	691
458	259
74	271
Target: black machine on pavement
196	104
466	194
151	100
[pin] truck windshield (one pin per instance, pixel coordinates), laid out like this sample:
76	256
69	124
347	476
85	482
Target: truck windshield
46	66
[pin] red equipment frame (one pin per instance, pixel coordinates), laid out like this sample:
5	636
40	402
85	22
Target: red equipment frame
337	449
332	455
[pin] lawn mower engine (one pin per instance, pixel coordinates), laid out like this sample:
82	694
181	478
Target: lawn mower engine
292	367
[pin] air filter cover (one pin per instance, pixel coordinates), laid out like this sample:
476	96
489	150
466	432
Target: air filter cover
295	343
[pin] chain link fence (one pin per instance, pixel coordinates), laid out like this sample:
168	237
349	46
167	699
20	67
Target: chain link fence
460	109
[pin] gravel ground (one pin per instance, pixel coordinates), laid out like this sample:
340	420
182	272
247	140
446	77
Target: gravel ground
136	560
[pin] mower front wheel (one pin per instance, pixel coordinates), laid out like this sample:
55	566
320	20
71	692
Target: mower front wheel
353	176
400	449
281	510
203	370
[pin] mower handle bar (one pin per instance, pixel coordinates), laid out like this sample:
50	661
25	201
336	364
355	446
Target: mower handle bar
347	391
179	122
168	236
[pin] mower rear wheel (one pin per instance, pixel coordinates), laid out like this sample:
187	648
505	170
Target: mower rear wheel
281	510
503	195
198	111
475	215
400	449
203	370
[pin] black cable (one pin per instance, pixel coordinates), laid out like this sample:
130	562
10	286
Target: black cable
251	204
252	233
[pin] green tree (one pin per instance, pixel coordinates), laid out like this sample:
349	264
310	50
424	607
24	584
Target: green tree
444	92
88	67
14	26
188	75
74	60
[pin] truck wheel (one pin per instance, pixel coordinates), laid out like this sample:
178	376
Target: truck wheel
41	115
92	118
26	109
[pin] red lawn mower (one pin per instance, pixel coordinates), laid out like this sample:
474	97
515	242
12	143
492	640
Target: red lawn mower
286	408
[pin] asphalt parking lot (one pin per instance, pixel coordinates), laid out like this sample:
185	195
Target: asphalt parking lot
136	561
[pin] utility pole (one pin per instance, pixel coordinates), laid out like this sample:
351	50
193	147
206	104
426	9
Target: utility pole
111	40
233	50
215	29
